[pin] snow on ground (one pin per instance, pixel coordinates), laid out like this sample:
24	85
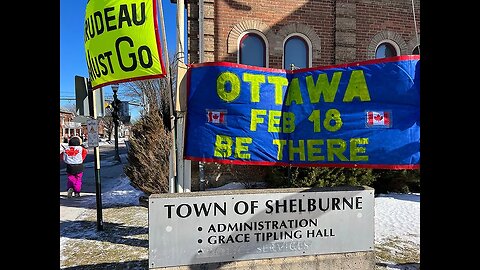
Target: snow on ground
237	185
123	194
106	162
397	216
397	229
229	186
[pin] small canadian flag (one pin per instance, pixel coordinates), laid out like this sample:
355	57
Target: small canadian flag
216	117
379	119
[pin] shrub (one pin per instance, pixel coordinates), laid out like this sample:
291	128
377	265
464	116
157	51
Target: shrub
319	177
401	181
148	155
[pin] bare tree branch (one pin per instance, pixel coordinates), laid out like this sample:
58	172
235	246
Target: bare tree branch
152	95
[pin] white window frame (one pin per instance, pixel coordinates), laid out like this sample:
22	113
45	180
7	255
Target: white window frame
389	41
260	34
414	49
309	45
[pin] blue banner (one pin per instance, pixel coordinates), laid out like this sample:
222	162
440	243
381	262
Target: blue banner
364	114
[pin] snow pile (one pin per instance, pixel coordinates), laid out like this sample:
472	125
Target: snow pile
397	216
123	194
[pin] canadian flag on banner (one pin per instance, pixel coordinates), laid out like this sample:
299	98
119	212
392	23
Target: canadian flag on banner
216	117
381	119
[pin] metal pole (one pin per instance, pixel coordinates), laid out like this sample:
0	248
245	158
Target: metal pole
179	57
201	58
117	156
289	171
180	31
173	155
96	152
115	121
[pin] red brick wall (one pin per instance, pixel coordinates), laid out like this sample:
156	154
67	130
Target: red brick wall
317	14
370	18
376	16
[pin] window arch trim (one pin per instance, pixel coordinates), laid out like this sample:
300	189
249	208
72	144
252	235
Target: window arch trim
391	42
416	48
307	42
389	36
265	44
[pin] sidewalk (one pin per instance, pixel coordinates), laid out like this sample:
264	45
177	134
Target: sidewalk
110	171
123	242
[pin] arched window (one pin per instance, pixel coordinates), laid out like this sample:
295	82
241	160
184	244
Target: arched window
416	50
252	50
296	51
386	49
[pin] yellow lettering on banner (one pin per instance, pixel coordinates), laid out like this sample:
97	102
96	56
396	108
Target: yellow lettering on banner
329	89
355	149
357	87
336	147
279	82
293	93
288	122
274	121
315	118
240	147
255	81
300	150
312	150
280	144
332	115
287	125
254	119
223	146
228	79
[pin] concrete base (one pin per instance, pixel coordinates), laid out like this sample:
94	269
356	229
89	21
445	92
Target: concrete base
340	261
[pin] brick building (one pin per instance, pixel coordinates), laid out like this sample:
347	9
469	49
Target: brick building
69	128
340	31
70	125
305	33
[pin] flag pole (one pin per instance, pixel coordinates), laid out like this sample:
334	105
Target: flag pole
173	155
183	166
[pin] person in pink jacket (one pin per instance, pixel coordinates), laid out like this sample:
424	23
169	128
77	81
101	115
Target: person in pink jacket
73	156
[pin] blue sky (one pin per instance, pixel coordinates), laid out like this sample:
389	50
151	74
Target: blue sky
72	50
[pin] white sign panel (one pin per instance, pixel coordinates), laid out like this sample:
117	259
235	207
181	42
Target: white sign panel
206	227
92	128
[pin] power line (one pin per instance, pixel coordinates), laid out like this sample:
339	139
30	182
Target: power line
106	99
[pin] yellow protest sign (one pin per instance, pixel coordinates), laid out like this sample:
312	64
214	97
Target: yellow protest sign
122	41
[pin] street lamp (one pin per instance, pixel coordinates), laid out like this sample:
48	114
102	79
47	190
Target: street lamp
115	106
